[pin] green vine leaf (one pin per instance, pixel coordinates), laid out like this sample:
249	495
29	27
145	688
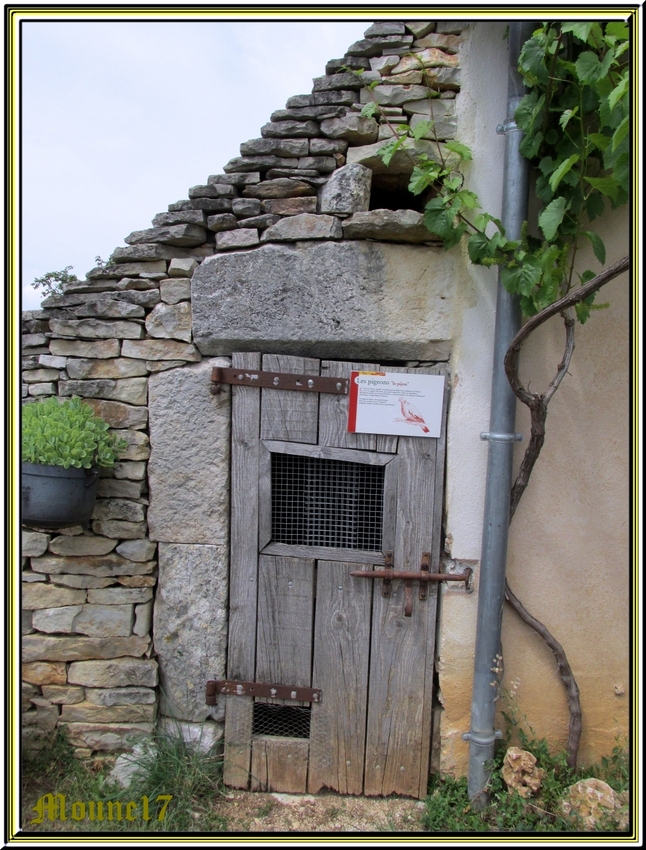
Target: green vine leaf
551	217
597	245
608	186
562	170
369	109
461	150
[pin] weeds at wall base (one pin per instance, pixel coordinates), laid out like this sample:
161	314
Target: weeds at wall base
171	767
448	808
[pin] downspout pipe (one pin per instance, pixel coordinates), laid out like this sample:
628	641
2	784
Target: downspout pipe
501	437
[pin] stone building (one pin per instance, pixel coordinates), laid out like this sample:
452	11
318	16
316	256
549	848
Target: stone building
308	251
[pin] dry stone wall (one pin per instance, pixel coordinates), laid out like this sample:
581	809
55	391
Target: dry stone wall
89	660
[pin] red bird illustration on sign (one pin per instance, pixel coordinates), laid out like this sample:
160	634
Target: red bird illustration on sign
411	415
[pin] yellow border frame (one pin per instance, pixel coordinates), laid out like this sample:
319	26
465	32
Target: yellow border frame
14	16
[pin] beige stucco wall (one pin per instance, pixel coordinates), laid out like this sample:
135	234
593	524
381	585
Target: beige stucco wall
569	546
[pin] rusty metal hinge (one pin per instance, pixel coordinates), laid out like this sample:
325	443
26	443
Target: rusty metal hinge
388	574
234	688
277	381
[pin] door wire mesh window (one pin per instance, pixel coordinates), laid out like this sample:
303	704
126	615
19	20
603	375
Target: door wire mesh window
321	502
281	721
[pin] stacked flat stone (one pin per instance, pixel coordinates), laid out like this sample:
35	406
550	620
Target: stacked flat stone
88	592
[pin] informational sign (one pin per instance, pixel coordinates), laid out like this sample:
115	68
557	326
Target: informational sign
409	405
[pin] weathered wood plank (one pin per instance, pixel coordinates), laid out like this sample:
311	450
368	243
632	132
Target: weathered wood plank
399	715
279	764
288	415
264	496
245	432
391	477
327	553
334	409
341	658
237	741
285	621
327	452
440	369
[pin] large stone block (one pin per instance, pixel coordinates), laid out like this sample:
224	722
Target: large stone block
160	349
106	565
145	252
277	147
110	488
104	620
326	299
194	472
81	544
127	390
106	736
41	648
137	446
63	694
201	736
33	543
170	321
119	415
80	580
38	595
389	226
190	622
51	620
114	673
119	509
121	367
184	235
119	595
119	528
44	673
96	329
102	349
353	127
347	191
305	226
137	550
109	308
120	696
403	160
87	712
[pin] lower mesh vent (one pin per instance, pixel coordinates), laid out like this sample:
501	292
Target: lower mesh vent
282	721
320	502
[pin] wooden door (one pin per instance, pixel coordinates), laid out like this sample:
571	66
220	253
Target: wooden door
297	615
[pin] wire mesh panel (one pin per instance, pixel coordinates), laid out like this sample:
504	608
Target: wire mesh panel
284	721
321	502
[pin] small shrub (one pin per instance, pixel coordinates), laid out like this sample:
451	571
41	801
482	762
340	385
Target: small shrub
53	283
448	808
67	433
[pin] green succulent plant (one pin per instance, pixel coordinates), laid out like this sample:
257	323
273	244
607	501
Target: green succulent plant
67	433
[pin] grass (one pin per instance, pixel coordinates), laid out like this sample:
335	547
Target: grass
448	808
167	768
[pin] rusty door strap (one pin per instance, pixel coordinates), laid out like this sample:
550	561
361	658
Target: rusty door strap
277	381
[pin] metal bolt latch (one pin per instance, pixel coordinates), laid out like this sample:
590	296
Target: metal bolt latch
408	577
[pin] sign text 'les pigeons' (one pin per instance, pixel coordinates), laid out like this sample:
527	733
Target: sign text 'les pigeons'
396	403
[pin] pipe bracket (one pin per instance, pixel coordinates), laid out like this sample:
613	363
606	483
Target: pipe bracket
492	436
507	127
482	740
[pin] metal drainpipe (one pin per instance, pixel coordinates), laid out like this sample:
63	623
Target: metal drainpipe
501	437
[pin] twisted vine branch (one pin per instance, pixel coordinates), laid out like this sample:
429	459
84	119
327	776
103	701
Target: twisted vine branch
537	404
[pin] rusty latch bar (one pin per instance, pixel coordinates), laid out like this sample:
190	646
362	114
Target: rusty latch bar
260	689
277	381
408	577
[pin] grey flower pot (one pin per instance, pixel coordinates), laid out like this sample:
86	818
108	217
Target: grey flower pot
55	497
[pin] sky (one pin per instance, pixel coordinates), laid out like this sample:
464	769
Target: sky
119	119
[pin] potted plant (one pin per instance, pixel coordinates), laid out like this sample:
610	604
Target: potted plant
63	444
